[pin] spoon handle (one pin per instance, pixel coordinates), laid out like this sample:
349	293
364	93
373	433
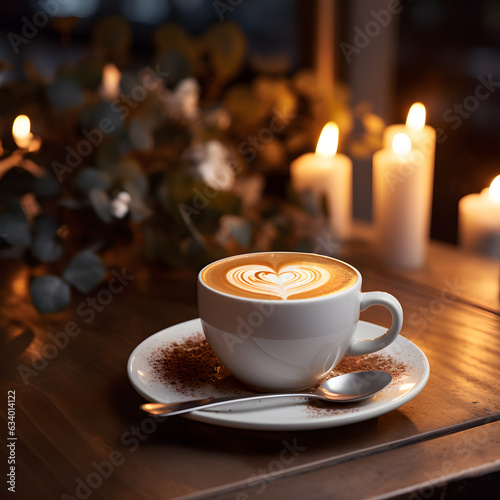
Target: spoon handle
164	410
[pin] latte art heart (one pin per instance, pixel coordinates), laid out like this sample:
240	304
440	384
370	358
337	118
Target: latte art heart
279	276
291	280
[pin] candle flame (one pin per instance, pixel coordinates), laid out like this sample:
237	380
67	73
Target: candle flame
416	116
111	77
401	144
21	131
495	188
328	140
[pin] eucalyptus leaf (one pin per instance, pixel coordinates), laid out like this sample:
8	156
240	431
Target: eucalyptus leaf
85	271
175	65
227	46
70	203
172	37
140	136
90	178
112	114
128	83
195	247
239	228
45	224
65	93
14	228
50	293
46	248
162	193
113	34
125	170
129	171
139	210
46	186
101	204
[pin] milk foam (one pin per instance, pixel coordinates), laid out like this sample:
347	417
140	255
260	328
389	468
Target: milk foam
279	275
290	280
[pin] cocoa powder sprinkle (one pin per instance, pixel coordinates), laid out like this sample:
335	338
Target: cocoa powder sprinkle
190	367
382	362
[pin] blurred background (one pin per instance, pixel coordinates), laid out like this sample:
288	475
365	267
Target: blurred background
229	68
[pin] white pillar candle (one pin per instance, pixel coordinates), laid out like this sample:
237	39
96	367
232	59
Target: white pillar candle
402	197
479	220
326	174
422	136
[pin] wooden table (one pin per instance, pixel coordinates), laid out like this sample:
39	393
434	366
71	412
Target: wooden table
78	426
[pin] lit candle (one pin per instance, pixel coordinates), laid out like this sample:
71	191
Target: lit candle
479	220
24	139
327	175
110	87
422	136
402	197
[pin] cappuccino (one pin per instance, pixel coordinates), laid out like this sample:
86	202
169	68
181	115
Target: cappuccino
279	276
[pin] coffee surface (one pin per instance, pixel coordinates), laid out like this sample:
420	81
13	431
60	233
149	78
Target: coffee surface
279	276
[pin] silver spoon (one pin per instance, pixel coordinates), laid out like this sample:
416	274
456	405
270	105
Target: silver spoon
342	389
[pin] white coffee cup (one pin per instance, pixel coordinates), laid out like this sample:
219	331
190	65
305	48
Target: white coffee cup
288	345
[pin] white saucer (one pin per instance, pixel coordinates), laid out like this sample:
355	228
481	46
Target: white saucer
290	414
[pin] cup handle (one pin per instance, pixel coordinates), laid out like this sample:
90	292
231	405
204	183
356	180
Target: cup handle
368	299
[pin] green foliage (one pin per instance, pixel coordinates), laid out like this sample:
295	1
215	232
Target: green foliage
130	168
99	200
46	248
50	293
46	186
85	271
90	178
45	245
14	228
